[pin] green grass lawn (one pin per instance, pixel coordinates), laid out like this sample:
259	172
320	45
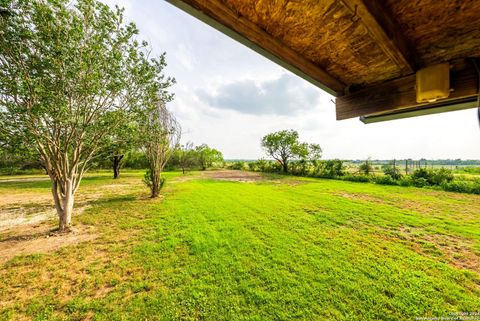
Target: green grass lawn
273	249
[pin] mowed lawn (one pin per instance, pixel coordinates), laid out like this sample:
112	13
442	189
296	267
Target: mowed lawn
271	248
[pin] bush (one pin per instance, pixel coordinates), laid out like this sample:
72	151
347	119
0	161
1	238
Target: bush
440	176
366	168
147	179
238	165
330	168
258	166
462	187
405	181
432	176
385	180
392	172
420	182
357	178
299	167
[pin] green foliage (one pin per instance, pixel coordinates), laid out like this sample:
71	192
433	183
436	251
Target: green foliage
386	180
136	159
240	165
208	156
420	182
284	145
148	179
330	168
471	187
424	177
188	156
70	74
366	168
392	171
299	167
405	181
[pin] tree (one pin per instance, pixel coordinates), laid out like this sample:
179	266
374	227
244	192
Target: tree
119	143
160	134
186	156
207	156
366	168
314	153
284	146
69	75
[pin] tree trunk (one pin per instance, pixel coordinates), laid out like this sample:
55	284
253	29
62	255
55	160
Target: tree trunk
155	176
63	203
285	166
65	219
116	165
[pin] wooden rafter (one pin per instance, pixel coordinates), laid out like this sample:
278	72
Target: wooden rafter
219	16
385	32
399	94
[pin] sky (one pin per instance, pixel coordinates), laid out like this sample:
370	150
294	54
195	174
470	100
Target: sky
229	97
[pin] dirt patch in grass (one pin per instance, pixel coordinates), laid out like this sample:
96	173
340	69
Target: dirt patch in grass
236	176
361	197
15	199
33	207
28	216
41	238
23	179
455	250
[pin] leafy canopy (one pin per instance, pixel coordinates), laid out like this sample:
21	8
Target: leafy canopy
284	145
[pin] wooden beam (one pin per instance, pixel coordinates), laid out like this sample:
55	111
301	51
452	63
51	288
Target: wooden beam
385	32
218	15
430	110
395	95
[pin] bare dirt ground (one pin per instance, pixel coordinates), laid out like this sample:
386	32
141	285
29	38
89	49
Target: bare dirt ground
28	218
40	238
233	175
457	251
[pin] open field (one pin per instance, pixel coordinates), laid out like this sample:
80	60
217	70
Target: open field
231	245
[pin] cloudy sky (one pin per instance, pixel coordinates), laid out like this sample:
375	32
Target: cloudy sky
228	97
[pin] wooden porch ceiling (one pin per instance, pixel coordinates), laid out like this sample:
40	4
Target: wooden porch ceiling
364	52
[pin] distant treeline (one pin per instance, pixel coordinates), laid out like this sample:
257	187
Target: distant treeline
422	161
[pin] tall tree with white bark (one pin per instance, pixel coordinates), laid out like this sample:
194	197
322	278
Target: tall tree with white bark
70	72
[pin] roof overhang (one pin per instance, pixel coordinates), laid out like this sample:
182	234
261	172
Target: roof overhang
365	53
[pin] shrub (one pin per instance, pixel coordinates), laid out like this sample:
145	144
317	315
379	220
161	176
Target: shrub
405	181
147	179
238	165
261	165
385	180
420	182
329	168
461	186
392	172
431	176
440	176
300	167
366	168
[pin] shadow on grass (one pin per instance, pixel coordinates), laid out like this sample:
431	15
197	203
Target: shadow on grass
111	200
